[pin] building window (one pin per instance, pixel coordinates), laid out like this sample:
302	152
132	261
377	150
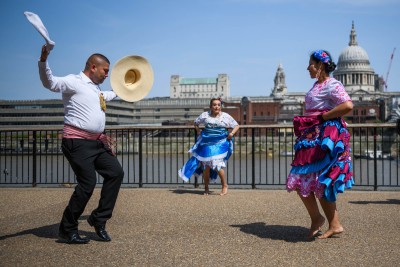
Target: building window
157	110
187	109
356	112
255	113
137	110
137	117
157	117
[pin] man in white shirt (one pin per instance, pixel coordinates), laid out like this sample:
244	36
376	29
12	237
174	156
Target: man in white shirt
84	144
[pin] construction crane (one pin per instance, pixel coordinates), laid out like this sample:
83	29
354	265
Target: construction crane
390	65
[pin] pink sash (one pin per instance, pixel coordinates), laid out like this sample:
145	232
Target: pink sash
70	131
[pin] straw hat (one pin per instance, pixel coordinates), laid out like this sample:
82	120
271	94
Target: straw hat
131	78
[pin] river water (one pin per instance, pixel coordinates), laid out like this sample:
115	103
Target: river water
159	169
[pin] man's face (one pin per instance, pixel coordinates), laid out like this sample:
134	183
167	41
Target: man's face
99	72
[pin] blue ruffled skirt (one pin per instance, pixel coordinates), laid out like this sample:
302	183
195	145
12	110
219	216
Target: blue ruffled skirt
212	149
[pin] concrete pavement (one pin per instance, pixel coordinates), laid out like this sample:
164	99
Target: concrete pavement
181	227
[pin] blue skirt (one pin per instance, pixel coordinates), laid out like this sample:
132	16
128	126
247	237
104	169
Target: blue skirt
212	145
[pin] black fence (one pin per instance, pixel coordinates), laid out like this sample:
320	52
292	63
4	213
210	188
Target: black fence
152	156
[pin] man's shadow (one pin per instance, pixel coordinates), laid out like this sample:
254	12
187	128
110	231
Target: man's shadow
50	231
287	233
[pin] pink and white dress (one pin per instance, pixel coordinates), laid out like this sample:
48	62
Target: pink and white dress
322	163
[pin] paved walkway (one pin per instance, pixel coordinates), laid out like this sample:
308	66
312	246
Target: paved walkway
181	227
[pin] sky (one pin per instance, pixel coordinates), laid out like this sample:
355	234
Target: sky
245	39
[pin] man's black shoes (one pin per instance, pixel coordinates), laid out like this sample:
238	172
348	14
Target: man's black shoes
72	238
75	238
100	230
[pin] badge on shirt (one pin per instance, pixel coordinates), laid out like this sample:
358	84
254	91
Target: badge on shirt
102	103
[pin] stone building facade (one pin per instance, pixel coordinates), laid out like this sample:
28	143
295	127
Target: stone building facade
181	87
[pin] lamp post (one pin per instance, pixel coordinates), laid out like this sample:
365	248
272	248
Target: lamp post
381	105
244	102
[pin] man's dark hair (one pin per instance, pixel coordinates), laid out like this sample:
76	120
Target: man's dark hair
96	59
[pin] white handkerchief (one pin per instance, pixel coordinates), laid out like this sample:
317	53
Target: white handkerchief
38	24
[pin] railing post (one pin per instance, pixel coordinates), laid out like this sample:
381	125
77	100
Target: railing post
140	159
375	164
34	155
253	166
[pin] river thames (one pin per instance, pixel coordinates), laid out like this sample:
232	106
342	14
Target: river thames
158	169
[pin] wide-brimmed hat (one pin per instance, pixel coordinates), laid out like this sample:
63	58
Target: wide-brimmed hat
131	78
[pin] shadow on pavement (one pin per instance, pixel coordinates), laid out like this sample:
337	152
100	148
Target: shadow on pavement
188	191
277	232
50	231
388	201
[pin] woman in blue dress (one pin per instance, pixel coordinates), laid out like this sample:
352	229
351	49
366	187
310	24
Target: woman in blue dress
213	147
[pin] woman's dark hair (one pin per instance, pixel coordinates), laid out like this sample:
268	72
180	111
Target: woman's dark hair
329	66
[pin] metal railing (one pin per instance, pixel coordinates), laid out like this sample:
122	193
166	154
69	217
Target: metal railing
152	156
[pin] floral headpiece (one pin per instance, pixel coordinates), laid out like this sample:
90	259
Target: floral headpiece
322	56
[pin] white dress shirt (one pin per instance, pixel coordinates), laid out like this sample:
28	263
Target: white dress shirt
81	98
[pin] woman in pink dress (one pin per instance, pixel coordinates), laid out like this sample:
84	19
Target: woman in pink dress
322	165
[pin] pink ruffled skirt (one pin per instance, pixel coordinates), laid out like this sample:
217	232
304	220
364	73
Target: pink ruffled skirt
322	163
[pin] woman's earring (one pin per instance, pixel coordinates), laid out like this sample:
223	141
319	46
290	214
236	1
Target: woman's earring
318	73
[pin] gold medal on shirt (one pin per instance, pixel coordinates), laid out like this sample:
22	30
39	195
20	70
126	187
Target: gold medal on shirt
102	103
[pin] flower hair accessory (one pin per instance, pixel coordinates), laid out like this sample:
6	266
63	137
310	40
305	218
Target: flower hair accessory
322	56
220	99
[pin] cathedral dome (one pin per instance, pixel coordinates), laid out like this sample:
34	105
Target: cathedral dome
354	57
353	53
